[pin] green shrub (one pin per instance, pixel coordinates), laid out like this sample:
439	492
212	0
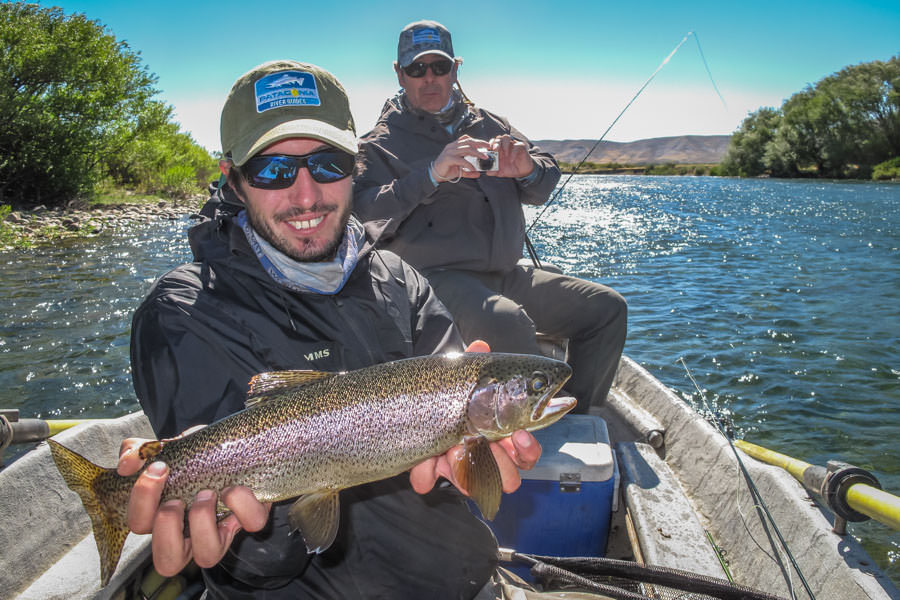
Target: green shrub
179	181
77	109
889	169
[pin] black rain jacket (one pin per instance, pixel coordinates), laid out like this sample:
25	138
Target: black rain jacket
207	327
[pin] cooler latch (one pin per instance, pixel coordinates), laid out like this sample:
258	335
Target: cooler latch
569	482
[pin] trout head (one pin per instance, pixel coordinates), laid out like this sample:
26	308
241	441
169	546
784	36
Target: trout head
515	391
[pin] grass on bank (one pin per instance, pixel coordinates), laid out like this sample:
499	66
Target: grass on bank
889	170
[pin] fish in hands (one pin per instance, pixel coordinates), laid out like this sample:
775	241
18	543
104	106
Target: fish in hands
294	439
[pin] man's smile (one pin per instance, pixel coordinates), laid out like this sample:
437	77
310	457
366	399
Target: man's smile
306	223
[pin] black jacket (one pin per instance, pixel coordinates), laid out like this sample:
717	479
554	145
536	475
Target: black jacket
473	224
207	327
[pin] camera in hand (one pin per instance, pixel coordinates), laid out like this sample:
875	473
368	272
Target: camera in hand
488	162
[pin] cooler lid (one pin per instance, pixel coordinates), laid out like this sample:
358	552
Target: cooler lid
575	444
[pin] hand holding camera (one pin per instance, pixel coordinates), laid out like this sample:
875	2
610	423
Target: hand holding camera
488	161
467	157
513	156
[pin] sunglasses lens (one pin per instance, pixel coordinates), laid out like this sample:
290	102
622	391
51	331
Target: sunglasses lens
441	67
271	172
330	165
438	67
416	69
277	171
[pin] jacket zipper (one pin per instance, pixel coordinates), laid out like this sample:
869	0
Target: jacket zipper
356	332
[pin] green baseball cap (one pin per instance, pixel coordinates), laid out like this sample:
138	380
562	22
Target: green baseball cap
285	99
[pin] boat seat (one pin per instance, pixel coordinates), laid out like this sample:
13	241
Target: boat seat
668	529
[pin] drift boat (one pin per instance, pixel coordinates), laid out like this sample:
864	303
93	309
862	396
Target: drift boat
657	493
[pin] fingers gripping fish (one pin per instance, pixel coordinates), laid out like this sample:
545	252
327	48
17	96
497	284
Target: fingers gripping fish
310	434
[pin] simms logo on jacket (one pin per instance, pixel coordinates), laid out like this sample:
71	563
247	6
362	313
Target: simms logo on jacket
317	354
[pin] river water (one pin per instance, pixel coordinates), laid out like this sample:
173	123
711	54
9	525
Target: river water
781	297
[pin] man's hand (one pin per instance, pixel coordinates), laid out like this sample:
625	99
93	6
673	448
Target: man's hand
209	539
513	157
519	451
451	162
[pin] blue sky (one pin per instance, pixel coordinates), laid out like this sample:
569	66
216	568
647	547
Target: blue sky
557	70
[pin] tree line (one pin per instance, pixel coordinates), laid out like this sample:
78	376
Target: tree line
78	112
846	125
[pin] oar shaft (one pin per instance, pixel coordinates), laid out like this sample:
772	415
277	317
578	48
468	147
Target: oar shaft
875	503
23	431
861	497
793	466
57	425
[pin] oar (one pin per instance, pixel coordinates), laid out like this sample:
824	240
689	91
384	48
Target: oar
852	493
14	430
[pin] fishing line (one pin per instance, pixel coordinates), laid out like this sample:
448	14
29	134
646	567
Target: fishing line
705	64
775	559
531	251
757	496
616	120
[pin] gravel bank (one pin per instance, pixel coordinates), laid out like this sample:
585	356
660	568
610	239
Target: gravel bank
40	224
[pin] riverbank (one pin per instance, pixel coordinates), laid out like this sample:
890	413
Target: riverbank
651	169
28	227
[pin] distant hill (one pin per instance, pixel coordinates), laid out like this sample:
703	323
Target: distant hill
682	149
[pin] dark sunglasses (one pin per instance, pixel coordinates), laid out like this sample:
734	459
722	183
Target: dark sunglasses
438	67
279	171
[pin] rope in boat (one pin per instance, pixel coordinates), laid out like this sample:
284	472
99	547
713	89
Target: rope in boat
765	515
582	571
531	251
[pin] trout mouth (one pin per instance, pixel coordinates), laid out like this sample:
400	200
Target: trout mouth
546	383
551	409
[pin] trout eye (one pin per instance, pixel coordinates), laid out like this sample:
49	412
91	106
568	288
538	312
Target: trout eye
538	382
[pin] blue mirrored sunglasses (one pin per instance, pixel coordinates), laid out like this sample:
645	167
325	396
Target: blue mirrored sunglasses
279	171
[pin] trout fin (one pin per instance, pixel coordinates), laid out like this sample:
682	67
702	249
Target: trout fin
477	472
317	517
151	449
98	490
274	381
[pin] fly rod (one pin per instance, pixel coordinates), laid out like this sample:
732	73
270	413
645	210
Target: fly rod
531	251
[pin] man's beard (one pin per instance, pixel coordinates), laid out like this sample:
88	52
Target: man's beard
305	253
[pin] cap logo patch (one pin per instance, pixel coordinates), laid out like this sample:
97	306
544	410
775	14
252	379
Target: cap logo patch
286	88
426	35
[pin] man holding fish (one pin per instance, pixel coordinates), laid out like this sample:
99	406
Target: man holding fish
285	278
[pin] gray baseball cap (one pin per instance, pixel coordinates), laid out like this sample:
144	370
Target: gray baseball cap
423	37
285	99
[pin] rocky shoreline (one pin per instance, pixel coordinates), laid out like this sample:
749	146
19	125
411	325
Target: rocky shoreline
39	224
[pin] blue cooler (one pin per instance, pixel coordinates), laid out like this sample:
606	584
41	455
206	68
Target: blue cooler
563	506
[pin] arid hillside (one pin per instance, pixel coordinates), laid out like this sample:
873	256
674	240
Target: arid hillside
684	149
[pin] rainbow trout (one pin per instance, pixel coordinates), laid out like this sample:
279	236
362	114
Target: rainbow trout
311	434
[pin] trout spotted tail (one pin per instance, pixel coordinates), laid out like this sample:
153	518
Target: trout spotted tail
104	494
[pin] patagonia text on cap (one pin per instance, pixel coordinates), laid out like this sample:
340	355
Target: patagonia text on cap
285	99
